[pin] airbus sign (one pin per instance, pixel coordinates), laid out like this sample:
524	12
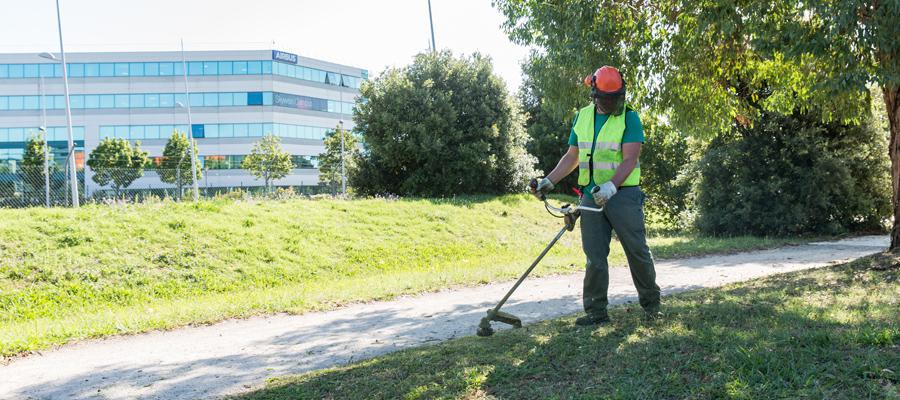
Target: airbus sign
284	57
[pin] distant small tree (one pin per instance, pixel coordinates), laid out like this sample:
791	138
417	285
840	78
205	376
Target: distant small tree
330	160
267	161
33	164
117	163
175	167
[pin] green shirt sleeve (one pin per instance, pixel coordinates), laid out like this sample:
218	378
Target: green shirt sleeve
573	138
634	131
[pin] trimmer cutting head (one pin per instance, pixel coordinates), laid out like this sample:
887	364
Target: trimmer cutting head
484	328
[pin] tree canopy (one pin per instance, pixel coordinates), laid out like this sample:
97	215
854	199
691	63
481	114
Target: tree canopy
330	160
175	166
267	161
117	163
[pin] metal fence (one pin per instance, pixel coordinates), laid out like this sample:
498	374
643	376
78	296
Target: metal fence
27	186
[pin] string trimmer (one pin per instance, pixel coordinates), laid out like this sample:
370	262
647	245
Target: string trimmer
570	214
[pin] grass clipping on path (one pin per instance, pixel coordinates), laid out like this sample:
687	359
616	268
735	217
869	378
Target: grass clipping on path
70	274
827	333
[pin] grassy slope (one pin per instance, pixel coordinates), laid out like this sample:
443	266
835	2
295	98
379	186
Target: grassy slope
828	333
72	274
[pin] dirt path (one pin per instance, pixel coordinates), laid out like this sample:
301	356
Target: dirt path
237	355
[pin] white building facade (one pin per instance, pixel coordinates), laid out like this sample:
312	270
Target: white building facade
235	97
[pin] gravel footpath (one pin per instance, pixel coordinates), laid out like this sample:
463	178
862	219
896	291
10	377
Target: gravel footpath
238	355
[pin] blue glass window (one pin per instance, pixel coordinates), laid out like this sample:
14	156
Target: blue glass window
255	130
137	132
16	71
210	99
121	69
151	100
136	101
15	102
106	69
254	99
151	69
226	99
91	70
211	130
180	98
76	70
267	67
226	130
31	103
225	67
152	132
30	71
107	101
197	131
166	69
196	100
195	68
240	68
121	101
121	131
46	70
177	69
240	130
76	101
57	70
267	98
210	68
59	102
16	135
254	67
4	71
106	131
91	101
240	99
136	69
4	103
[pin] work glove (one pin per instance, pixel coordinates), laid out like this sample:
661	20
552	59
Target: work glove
603	193
542	188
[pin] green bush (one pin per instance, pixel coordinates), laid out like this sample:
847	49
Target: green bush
665	157
792	174
443	126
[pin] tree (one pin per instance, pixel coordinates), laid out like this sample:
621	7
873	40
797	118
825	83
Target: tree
33	165
330	160
267	161
175	166
117	163
442	126
710	66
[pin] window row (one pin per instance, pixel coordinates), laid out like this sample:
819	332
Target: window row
170	100
175	68
11	159
147	100
215	162
316	75
140	132
54	133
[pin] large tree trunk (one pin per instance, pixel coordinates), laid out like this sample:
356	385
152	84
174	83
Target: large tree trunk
892	103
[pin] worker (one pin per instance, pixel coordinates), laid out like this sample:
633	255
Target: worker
605	146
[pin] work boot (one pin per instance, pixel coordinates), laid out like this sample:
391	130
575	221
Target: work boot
590	319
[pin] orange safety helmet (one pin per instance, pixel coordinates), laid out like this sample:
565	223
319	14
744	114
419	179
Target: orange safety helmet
606	79
607	89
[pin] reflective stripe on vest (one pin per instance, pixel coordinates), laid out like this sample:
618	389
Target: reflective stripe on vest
605	153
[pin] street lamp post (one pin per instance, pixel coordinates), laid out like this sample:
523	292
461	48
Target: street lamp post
194	187
71	139
187	98
431	24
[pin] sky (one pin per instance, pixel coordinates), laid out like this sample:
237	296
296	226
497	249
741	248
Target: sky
369	34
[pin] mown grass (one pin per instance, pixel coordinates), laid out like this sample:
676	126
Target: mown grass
830	333
101	270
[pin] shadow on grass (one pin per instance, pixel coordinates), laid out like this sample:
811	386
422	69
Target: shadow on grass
788	336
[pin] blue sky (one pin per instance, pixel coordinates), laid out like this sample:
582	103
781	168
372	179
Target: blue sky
369	34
